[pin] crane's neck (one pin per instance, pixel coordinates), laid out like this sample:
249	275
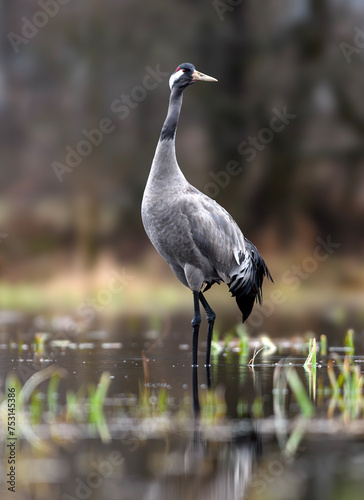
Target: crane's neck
170	124
165	169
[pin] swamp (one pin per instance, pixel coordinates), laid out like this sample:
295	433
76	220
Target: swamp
98	398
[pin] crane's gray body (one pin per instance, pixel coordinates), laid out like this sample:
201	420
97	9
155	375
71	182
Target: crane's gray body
196	236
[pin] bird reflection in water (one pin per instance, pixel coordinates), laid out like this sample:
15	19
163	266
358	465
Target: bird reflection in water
213	464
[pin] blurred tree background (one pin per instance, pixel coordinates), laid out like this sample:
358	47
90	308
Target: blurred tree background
70	210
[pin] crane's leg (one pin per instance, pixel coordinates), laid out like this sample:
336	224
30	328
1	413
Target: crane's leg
210	316
196	321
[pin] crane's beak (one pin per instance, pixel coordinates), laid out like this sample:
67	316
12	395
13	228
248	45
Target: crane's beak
201	77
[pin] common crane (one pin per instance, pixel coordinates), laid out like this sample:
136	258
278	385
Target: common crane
196	236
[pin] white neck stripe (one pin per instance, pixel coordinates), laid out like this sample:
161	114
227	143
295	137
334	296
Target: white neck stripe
175	77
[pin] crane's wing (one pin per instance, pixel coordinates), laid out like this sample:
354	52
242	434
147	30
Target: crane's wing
214	232
234	258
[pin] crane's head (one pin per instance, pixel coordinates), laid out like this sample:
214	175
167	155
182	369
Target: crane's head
186	74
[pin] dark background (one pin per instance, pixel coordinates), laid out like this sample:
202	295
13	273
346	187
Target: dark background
60	241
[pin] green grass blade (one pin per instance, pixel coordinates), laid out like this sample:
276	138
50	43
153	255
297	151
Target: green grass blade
299	392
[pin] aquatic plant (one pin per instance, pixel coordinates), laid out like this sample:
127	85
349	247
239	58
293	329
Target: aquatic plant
256	352
323	345
349	341
312	349
346	389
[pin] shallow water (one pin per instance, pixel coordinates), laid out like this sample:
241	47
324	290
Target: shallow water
167	431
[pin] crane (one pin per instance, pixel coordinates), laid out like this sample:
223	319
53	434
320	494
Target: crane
195	235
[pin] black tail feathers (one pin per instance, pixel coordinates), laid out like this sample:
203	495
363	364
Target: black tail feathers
246	285
245	304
